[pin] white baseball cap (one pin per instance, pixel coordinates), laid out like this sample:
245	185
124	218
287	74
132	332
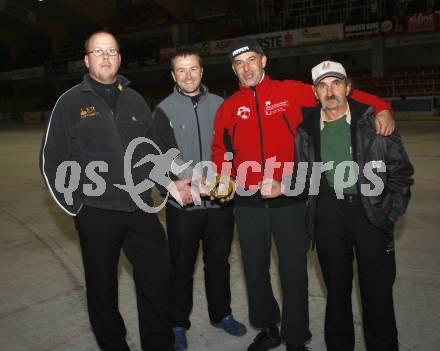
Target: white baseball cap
328	69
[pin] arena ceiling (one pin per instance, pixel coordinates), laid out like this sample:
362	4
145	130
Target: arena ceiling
58	19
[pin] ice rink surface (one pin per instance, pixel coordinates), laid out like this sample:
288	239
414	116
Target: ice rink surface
42	295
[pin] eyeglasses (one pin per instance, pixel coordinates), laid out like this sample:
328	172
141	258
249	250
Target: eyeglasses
99	52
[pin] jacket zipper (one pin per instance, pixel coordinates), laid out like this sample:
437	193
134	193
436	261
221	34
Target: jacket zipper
260	125
263	163
117	129
234	128
114	115
195	105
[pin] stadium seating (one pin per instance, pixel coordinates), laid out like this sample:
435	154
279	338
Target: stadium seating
402	81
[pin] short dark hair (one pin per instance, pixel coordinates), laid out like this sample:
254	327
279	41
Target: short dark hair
103	31
183	52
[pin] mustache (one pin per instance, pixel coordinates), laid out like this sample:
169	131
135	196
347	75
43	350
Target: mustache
333	97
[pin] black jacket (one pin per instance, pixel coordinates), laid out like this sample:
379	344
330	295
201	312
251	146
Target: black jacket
82	128
383	209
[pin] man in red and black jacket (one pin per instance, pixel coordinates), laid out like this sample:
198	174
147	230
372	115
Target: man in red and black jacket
254	140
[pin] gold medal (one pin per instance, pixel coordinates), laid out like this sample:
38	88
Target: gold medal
223	187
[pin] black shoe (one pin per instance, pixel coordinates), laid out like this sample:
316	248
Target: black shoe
297	348
265	340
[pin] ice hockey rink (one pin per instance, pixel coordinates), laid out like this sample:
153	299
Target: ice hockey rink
42	294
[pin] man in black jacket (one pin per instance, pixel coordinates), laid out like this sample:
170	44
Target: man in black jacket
90	128
364	187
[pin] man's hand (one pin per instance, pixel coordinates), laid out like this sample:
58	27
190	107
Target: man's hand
204	186
270	188
180	190
385	123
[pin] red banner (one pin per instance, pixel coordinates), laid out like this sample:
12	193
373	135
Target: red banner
421	22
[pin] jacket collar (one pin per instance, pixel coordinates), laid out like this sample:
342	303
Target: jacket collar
312	115
346	115
185	98
87	86
358	110
261	87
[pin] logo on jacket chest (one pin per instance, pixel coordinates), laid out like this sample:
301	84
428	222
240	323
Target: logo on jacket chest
88	111
379	165
272	108
244	112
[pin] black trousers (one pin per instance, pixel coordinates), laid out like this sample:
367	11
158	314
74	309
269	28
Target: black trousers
102	234
342	232
286	225
185	229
